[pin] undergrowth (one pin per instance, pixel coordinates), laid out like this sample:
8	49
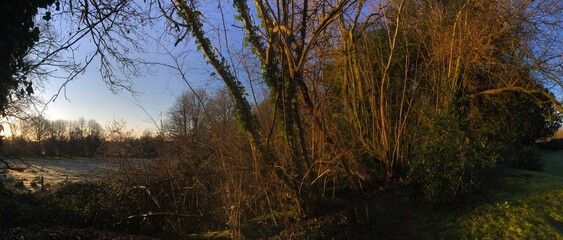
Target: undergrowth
514	204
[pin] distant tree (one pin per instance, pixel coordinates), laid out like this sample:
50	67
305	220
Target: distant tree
94	138
36	130
77	138
58	138
185	117
219	108
147	145
117	140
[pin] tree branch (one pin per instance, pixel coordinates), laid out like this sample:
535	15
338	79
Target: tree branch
556	104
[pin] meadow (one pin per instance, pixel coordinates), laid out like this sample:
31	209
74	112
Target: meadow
32	172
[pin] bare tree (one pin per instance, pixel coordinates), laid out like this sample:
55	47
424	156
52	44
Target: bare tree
36	130
94	137
186	116
282	42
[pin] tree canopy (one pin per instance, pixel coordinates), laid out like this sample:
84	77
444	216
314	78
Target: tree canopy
18	34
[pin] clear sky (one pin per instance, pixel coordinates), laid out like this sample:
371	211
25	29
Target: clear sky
88	95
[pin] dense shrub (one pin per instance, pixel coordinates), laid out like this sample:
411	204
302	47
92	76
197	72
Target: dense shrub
553	145
86	203
524	157
446	161
105	205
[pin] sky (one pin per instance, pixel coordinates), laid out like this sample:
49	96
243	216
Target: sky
156	90
89	97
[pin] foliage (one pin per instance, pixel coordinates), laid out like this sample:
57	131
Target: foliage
358	99
511	123
18	35
377	94
525	157
447	159
283	58
85	203
444	113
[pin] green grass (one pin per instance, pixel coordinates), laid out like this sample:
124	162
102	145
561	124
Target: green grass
522	205
515	204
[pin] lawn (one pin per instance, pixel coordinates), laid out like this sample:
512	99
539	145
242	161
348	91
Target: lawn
516	204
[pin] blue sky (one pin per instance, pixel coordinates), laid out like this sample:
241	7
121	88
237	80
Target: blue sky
89	97
156	90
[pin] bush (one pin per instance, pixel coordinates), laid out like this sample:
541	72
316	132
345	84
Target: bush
87	203
527	158
556	144
446	161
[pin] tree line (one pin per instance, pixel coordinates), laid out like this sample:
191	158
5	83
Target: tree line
187	122
37	136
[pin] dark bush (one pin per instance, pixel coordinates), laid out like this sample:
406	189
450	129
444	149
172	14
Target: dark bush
446	161
526	157
102	205
556	144
553	145
86	203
